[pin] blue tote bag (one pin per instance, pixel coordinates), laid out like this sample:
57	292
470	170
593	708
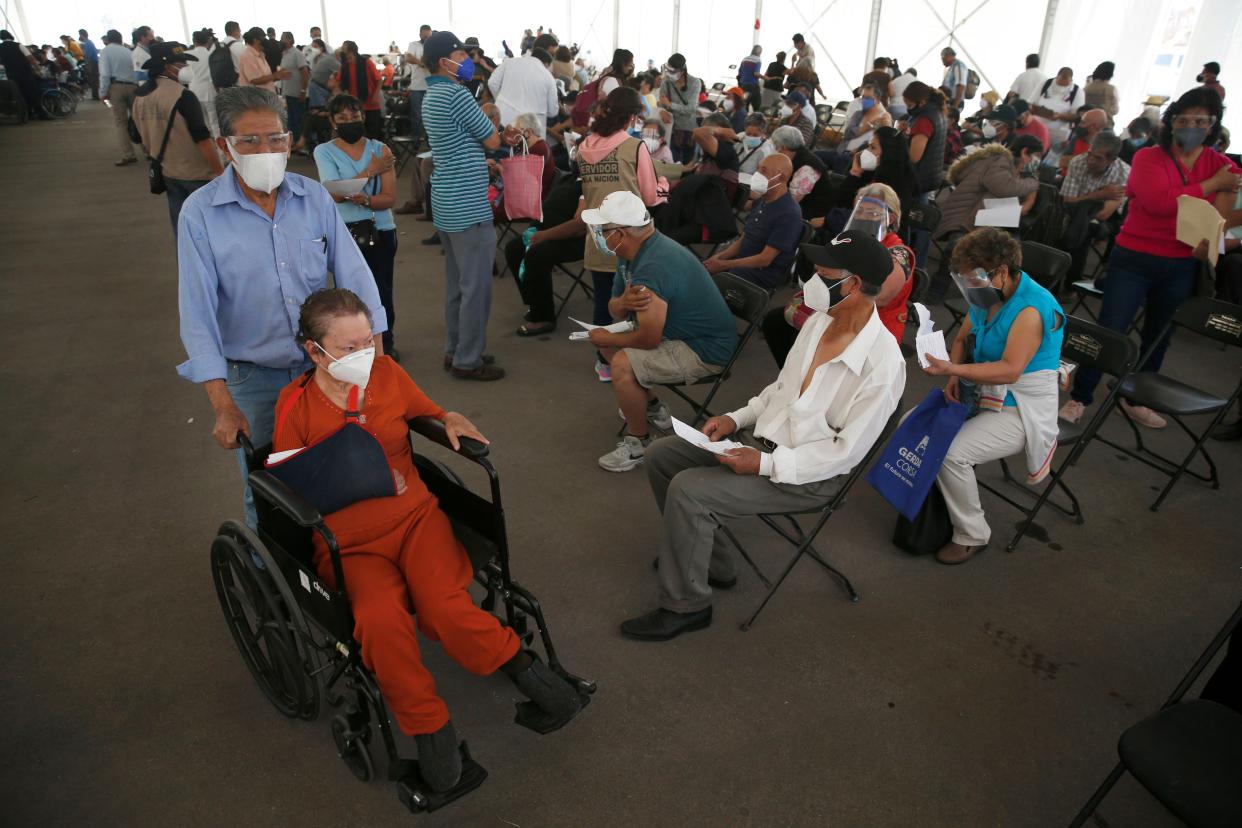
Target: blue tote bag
908	466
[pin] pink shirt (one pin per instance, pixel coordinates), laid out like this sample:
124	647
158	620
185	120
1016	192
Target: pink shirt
254	65
1152	191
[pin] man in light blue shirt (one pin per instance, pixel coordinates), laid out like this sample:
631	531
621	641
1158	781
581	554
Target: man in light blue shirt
251	246
117	87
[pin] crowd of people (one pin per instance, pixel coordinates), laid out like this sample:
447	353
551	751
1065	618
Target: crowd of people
638	169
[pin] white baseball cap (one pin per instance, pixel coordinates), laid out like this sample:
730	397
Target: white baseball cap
620	209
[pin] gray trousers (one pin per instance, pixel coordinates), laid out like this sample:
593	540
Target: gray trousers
468	258
695	493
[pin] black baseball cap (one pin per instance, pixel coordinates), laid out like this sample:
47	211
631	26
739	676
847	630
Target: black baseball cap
164	53
855	251
1019	107
1004	113
440	45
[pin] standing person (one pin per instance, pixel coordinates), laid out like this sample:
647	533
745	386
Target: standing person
17	68
679	92
295	85
91	55
73	47
117	88
955	77
144	36
773	82
525	84
1056	104
928	137
616	73
234	43
243	275
359	77
197	76
418	82
459	132
1149	268
803	54
748	72
1208	77
352	155
170	120
308	49
1027	84
1099	93
253	68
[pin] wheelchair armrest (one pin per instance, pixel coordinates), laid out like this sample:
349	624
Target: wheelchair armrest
434	430
285	499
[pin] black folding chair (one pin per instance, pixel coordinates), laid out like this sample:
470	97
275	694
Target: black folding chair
1215	320
1046	265
803	540
404	148
1087	345
579	281
748	302
1186	754
800	264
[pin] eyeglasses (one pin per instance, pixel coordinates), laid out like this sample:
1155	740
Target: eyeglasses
275	142
1203	122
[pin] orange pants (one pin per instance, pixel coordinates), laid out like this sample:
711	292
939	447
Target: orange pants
418	561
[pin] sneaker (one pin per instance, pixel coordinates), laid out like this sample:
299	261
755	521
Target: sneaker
626	456
658	415
1144	416
603	370
1071	412
484	373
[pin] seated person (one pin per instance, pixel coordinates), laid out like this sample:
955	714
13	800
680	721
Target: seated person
684	331
1139	135
810	185
657	144
1090	124
400	551
1093	191
1017	328
865	113
877	213
993	171
794	111
1028	124
733	105
768	245
885	160
532	129
828	405
532	256
997	126
754	144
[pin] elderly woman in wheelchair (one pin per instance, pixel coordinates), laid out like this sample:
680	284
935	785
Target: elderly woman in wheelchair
342	443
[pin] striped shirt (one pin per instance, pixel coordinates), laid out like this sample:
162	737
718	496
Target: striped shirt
456	126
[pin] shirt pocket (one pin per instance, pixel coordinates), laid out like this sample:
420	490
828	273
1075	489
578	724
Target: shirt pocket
314	254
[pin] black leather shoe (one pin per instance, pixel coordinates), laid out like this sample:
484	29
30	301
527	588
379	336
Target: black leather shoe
434	238
662	624
714	583
488	359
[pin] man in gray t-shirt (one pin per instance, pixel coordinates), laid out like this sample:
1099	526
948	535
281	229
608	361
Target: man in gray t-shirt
294	87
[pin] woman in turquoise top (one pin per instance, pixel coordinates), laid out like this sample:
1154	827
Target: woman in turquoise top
368	214
1017	327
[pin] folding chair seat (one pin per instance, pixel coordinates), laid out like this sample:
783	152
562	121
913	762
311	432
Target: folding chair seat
1087	345
404	148
748	302
1186	754
803	540
1215	320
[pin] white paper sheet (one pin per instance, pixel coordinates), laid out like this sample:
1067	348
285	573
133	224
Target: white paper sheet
424	154
624	326
345	186
697	438
928	340
999	212
860	141
276	457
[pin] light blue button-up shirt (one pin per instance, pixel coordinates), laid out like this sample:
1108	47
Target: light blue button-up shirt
116	63
242	277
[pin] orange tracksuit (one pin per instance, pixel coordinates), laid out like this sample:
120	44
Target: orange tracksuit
397	552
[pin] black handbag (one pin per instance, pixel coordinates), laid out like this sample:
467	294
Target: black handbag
929	531
364	232
155	169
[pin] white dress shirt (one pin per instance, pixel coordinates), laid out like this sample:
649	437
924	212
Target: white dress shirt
197	76
1026	86
827	430
521	85
418	72
140	56
237	48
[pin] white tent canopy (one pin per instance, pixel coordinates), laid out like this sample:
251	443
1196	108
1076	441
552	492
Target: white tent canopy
1157	45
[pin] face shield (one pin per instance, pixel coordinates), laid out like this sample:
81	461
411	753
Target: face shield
870	216
976	287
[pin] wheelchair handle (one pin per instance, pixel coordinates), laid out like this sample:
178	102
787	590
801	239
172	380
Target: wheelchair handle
244	442
434	430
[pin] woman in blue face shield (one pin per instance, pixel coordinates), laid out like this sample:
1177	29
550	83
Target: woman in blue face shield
1013	331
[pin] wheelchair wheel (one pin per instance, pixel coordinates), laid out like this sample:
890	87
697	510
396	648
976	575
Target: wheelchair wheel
351	746
266	622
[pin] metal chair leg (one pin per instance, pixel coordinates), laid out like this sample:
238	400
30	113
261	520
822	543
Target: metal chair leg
745	556
1198	448
1098	797
772	590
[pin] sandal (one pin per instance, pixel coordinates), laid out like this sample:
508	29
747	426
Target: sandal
536	329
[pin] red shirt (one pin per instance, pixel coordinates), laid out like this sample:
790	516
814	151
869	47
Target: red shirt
1035	127
1152	191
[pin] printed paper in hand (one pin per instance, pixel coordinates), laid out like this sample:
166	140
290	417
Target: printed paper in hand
697	438
345	186
928	340
624	326
1197	220
999	212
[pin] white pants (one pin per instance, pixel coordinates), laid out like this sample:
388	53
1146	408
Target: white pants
990	435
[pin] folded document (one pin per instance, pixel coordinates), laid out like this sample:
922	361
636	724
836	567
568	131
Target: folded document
624	326
928	340
697	438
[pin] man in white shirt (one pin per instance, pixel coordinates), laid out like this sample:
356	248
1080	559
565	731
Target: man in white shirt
525	84
144	36
308	51
234	43
803	54
197	76
1026	85
841	382
1056	104
418	79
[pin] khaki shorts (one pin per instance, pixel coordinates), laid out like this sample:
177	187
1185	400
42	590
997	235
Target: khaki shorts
672	361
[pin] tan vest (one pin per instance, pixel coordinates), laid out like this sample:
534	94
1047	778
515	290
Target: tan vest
616	171
182	159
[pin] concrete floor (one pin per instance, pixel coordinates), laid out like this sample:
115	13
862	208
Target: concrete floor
985	695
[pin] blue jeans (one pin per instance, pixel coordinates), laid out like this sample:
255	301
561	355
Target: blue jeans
296	109
1134	280
255	389
178	191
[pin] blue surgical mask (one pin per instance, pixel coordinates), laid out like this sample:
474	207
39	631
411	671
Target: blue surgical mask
752	141
1137	141
465	69
867	103
601	241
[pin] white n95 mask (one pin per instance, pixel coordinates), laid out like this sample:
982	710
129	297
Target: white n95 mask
758	184
354	368
988	129
786	110
262	171
868	160
818	296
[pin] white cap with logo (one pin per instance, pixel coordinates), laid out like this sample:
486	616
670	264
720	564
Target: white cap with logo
619	209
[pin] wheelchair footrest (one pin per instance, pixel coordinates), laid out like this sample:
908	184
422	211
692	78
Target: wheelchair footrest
530	716
416	795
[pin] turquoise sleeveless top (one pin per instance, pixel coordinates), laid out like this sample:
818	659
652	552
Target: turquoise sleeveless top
991	336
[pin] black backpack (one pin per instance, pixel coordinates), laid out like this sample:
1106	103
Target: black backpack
1043	92
223	72
273	51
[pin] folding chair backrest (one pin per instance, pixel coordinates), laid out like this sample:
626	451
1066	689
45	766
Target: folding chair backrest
746	300
1089	345
865	463
924	217
1213	318
1046	265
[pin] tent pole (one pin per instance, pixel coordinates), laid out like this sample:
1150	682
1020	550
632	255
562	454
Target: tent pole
616	25
323	20
873	33
185	23
1045	39
676	24
758	17
21	19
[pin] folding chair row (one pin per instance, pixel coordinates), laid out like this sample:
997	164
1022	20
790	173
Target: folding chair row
1046	265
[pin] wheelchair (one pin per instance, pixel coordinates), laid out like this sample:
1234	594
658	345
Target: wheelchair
295	632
